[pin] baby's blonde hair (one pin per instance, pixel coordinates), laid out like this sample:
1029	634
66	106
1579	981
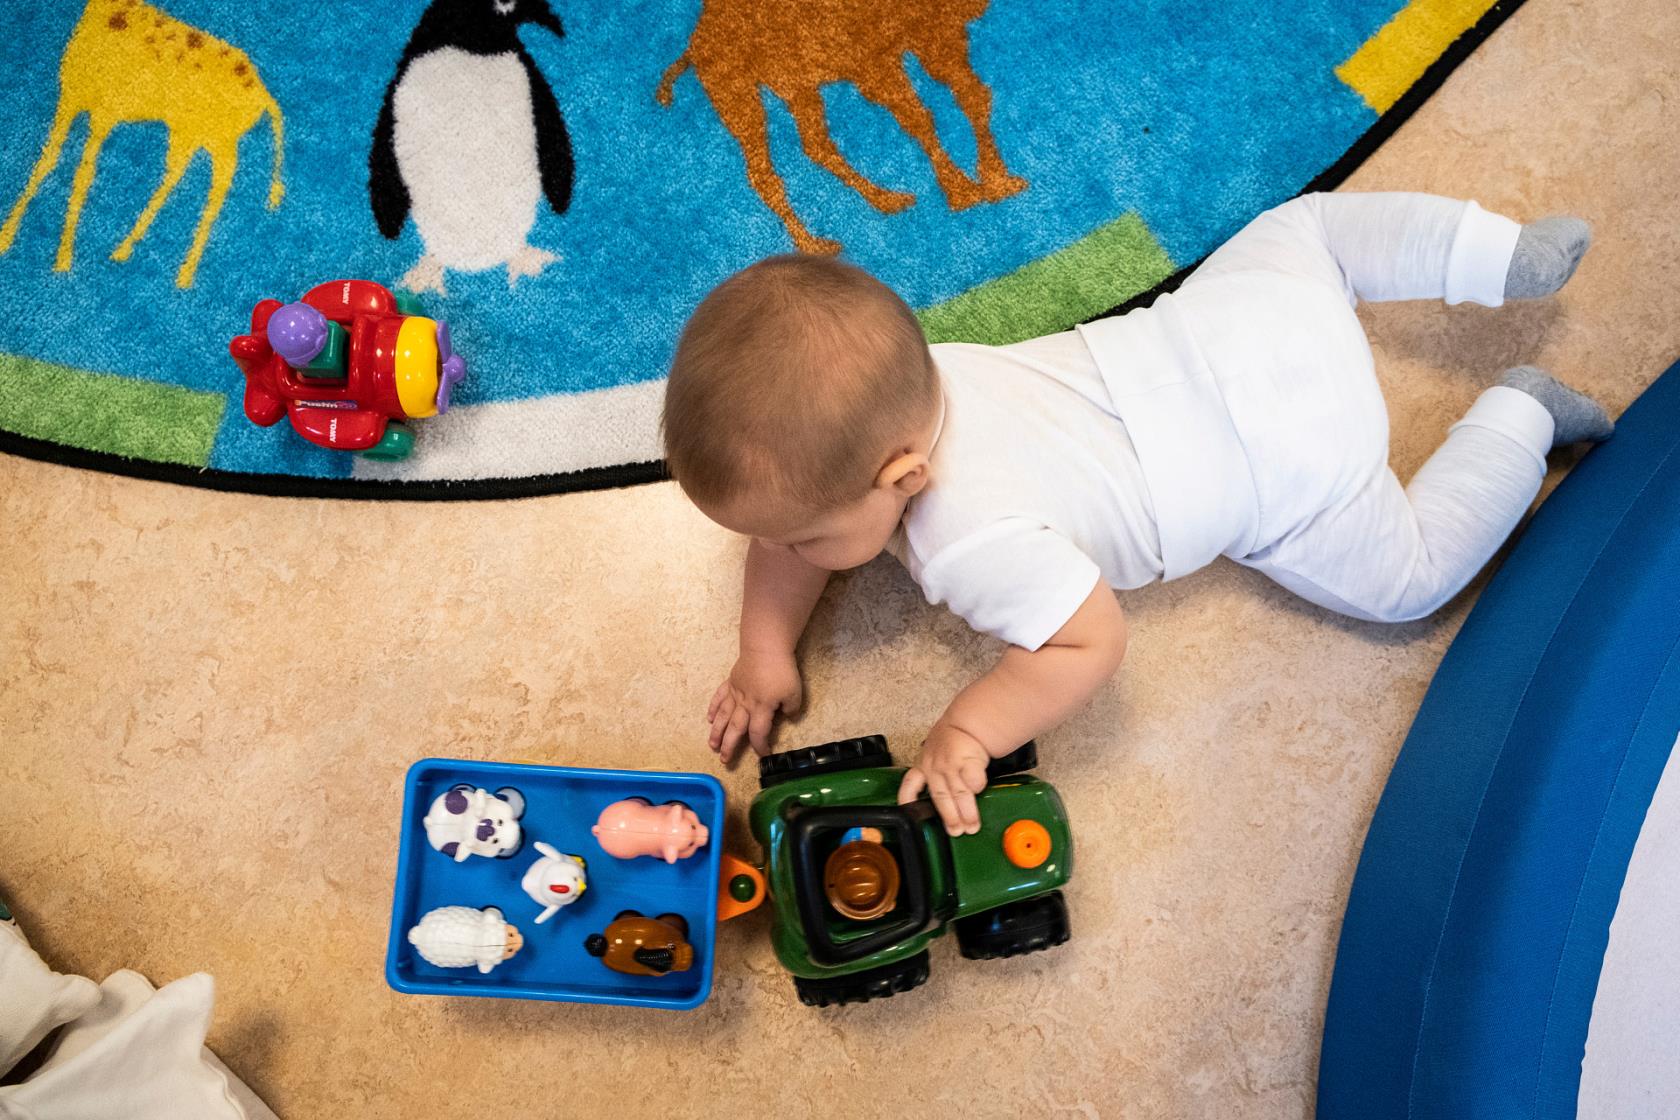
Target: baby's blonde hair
796	377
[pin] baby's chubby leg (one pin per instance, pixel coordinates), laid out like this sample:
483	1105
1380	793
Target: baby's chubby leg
1390	553
1411	233
1394	246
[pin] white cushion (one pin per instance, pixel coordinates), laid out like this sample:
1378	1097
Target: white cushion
33	998
139	1055
121	995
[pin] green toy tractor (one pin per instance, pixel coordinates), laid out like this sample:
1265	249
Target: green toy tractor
860	884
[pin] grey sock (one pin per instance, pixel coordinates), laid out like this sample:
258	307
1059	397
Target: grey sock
1546	255
1576	416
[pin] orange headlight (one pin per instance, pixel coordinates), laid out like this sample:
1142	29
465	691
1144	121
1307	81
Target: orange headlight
1026	843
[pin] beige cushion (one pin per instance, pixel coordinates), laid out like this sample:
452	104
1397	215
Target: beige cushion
33	998
139	1055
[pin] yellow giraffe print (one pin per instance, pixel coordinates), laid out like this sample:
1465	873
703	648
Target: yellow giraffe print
127	61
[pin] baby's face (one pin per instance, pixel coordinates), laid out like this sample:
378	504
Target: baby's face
841	538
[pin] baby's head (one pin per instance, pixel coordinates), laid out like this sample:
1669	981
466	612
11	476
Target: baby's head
801	408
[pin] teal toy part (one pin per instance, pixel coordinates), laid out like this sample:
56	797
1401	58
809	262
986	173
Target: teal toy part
329	363
394	446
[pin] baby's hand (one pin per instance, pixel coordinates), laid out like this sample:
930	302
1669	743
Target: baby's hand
745	705
952	770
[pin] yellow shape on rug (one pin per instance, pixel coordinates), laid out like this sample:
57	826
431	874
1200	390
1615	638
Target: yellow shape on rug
126	61
1391	61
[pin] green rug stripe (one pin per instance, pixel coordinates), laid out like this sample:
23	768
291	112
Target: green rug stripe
1103	269
106	412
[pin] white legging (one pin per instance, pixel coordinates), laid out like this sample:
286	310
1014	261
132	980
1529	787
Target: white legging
1382	551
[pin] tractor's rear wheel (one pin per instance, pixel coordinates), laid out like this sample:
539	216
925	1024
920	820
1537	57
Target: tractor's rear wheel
1027	926
861	987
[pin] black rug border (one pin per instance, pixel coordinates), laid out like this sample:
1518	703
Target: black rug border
635	474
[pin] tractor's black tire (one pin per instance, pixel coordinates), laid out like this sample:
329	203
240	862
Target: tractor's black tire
1028	926
1017	761
861	987
825	758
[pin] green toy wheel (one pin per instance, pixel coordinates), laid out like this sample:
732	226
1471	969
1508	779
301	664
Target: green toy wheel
394	446
1027	926
861	987
409	304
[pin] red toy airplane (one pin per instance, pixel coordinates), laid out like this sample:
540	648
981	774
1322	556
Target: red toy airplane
349	363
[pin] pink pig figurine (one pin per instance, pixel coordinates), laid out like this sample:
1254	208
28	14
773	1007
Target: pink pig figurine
632	828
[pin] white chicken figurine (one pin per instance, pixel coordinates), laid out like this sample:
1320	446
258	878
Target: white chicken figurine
555	880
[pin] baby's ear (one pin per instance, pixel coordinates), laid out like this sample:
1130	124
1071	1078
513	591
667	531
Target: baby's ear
907	474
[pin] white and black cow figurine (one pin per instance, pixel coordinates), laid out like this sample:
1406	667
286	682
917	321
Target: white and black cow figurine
465	821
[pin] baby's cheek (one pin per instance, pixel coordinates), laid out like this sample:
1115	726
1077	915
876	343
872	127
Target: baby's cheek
840	556
821	556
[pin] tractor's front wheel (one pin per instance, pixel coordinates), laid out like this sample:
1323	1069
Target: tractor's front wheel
826	758
861	987
1017	761
1027	926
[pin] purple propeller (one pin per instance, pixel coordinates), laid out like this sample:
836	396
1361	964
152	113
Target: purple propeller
452	368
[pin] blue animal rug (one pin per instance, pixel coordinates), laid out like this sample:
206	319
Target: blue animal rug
558	184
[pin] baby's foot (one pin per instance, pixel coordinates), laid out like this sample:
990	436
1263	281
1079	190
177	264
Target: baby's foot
1575	416
1546	255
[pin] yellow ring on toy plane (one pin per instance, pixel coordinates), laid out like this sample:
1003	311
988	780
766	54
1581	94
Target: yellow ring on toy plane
415	366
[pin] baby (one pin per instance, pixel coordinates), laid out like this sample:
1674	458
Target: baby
1022	485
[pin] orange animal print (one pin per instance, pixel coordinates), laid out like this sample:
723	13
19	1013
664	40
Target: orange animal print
127	61
795	49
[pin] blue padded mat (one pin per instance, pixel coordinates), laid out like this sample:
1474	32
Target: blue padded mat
1481	908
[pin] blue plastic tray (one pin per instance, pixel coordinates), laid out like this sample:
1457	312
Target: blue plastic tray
561	804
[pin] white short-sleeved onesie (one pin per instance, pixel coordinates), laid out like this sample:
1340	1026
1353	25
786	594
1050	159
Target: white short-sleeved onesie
1239	416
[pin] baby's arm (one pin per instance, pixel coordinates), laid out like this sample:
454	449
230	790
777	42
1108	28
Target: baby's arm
779	594
1023	695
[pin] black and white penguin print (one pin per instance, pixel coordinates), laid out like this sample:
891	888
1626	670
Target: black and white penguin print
470	141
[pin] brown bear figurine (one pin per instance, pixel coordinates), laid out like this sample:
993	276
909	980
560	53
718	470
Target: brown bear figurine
643	946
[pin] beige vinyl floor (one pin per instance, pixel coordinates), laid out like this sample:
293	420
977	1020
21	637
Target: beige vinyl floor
209	701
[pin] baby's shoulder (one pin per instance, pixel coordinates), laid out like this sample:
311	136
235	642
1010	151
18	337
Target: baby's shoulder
945	513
